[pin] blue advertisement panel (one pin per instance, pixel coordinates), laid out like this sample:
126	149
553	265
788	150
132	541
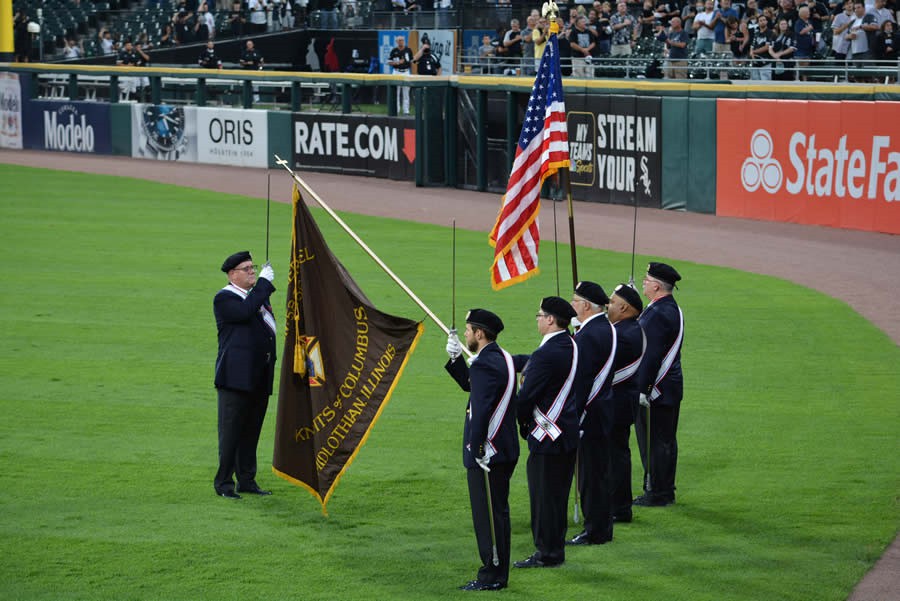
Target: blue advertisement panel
68	126
387	40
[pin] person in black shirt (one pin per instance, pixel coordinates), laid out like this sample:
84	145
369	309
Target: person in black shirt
251	59
427	62
400	58
761	68
236	20
782	48
208	58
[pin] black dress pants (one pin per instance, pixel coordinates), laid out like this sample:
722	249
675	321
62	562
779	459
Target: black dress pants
241	416
549	480
659	479
499	477
594	486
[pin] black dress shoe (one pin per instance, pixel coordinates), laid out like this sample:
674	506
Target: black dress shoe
477	585
622	518
535	562
653	501
255	491
229	494
585	539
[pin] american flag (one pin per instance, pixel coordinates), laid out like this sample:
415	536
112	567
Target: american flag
543	149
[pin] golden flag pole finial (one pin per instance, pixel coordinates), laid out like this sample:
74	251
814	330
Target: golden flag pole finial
550	11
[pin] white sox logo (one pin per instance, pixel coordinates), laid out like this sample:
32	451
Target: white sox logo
761	168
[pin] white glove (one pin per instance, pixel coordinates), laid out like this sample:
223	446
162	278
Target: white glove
644	401
454	348
267	272
483	463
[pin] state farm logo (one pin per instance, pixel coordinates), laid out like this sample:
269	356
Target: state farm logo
815	169
761	169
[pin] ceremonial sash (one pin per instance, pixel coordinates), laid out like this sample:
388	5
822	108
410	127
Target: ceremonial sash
669	359
600	378
631	369
545	424
500	411
264	311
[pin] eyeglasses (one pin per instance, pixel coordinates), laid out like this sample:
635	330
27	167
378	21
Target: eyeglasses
248	268
540	315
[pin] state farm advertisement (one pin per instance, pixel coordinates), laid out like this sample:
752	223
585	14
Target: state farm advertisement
814	162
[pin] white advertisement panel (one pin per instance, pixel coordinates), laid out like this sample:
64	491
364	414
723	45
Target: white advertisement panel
164	132
443	46
10	111
232	137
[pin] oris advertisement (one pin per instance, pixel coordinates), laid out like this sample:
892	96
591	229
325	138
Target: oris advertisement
834	163
615	145
379	146
164	132
68	126
232	137
10	111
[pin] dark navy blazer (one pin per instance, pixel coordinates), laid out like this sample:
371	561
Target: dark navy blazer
660	321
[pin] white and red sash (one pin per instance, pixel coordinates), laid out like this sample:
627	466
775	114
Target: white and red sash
600	378
500	411
629	370
264	311
669	359
545	423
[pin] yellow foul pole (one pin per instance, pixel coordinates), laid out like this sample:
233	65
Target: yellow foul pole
6	31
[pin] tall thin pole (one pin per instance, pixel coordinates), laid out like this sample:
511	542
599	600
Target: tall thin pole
268	206
368	250
633	241
453	280
556	245
568	184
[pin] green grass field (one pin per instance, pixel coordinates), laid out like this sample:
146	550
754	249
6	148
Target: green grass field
788	475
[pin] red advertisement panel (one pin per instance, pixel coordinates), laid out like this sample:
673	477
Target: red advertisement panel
814	162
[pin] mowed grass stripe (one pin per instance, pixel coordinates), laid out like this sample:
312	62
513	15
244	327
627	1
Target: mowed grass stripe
787	475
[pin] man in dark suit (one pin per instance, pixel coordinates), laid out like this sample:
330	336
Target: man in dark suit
245	368
624	308
596	340
660	384
490	445
548	420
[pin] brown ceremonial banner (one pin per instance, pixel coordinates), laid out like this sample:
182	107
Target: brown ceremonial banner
342	359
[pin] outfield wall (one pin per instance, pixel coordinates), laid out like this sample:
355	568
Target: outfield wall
802	160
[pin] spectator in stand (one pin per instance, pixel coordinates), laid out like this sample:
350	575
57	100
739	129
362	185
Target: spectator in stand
328	10
761	66
236	20
167	37
783	48
528	45
127	58
648	21
582	40
258	21
704	26
604	30
622	25
208	20
840	27
667	10
720	46
804	40
887	45
539	37
21	36
819	17
107	45
182	28
688	13
565	49
512	41
487	54
737	37
199	30
859	39
881	13
208	58
676	40
74	49
787	11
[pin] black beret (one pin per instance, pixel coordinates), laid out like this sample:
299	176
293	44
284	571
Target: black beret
592	292
663	272
235	260
485	320
630	296
558	307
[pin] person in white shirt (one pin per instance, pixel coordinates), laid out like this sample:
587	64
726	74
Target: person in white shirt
705	29
73	49
258	19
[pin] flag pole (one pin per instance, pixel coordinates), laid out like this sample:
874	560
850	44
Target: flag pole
366	248
564	173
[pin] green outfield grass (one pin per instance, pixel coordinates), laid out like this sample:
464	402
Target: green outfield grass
788	475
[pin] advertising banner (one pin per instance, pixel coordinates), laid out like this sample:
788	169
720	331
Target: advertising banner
615	145
443	47
833	163
232	137
10	111
379	146
164	132
68	126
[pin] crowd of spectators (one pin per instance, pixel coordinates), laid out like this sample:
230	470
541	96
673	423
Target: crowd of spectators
756	39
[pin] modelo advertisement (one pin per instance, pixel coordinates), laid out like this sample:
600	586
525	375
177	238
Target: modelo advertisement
10	111
68	126
615	145
377	146
232	137
833	163
164	132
